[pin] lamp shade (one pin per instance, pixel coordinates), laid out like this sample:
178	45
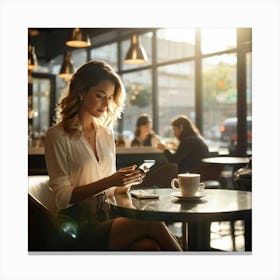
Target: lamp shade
32	58
136	53
67	69
78	38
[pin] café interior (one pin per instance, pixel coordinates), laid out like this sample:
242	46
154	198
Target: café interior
203	73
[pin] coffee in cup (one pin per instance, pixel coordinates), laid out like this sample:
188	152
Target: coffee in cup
188	183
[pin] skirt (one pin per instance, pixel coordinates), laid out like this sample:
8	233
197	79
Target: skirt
87	233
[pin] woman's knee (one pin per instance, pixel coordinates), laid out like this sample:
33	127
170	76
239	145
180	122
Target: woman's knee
146	244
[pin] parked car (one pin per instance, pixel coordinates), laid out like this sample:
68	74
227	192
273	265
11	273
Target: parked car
228	130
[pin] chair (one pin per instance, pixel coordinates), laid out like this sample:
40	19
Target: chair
159	176
209	174
38	189
46	232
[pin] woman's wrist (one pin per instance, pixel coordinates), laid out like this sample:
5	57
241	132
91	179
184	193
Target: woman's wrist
107	182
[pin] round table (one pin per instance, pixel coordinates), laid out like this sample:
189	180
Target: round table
230	165
215	205
226	160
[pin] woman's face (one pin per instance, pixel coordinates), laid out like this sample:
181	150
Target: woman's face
145	129
97	99
177	130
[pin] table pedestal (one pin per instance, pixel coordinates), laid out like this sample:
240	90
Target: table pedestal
198	236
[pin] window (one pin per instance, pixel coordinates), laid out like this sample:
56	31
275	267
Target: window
249	82
108	53
79	57
249	100
175	44
216	39
41	104
174	64
139	97
219	95
176	94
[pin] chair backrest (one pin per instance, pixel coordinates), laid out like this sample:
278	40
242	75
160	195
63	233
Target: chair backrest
160	176
209	171
38	189
45	230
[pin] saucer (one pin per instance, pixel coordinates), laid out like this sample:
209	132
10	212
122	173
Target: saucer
180	196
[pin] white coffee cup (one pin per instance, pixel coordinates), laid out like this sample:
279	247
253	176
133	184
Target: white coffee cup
189	184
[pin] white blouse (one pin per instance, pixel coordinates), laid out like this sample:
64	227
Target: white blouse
71	161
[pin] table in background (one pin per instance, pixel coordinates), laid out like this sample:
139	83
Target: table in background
231	164
227	160
216	205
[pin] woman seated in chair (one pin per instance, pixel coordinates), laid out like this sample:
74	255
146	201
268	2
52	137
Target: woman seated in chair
192	147
80	157
144	135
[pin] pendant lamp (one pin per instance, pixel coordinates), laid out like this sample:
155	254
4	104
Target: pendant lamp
32	58
136	53
78	38
67	69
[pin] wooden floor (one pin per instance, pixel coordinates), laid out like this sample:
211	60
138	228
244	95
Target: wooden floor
221	238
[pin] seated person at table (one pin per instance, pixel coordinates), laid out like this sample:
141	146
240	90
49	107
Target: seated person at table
80	157
144	135
192	147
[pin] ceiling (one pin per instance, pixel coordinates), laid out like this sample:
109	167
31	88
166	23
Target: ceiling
50	42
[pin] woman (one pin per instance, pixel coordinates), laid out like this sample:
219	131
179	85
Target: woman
144	135
192	147
80	157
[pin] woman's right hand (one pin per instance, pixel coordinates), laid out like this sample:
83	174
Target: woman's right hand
161	146
126	176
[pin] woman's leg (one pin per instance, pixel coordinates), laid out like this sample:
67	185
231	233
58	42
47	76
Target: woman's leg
146	244
125	233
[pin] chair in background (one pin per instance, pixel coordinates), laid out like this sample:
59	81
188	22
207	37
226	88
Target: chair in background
45	231
209	174
159	176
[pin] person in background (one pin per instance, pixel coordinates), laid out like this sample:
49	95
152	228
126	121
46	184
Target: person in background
144	135
192	147
80	157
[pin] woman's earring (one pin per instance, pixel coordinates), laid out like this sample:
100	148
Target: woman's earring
81	98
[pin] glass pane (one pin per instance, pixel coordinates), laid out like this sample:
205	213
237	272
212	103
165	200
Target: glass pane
214	40
139	99
79	57
175	43
249	82
176	94
146	42
41	105
219	99
249	100
107	53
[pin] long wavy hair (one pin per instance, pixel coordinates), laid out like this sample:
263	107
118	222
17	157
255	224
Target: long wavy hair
189	128
142	120
87	76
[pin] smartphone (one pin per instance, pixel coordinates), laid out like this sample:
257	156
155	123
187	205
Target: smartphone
146	165
141	194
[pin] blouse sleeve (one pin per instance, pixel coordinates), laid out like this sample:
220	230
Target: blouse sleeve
110	191
56	161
